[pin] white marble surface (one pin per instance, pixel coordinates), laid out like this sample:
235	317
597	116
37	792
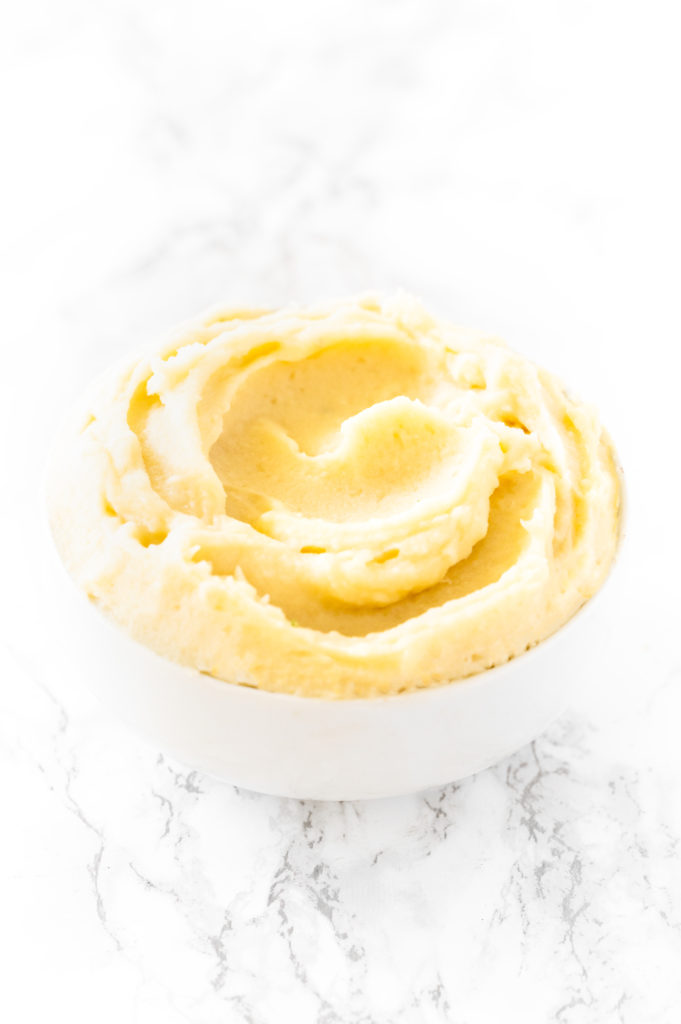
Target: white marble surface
514	164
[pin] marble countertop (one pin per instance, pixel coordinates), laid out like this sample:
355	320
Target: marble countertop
514	165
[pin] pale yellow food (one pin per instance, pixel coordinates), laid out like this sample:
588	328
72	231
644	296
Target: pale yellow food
343	500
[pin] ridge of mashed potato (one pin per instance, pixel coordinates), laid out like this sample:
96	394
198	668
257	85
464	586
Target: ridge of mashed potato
341	500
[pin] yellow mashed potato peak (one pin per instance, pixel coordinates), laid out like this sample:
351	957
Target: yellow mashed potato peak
342	500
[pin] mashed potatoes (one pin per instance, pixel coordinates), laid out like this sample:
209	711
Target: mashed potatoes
336	501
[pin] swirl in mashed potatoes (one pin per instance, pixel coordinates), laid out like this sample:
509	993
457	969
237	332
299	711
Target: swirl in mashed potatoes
342	500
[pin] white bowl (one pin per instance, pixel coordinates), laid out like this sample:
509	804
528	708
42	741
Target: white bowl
322	749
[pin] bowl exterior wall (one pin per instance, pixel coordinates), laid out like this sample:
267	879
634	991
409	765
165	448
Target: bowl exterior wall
311	748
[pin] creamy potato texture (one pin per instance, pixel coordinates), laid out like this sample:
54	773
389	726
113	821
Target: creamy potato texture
341	500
